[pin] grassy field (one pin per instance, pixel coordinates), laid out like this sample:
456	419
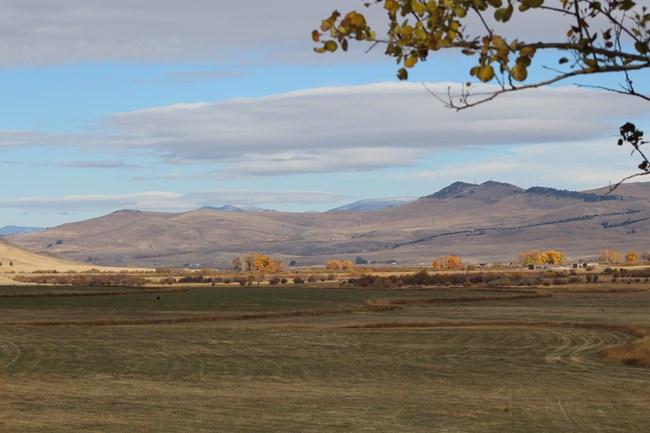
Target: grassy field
299	359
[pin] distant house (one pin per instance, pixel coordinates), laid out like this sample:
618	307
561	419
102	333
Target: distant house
585	265
546	267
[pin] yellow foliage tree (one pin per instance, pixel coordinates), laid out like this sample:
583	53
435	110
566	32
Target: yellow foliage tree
532	257
447	262
339	265
552	257
537	257
609	256
256	262
632	257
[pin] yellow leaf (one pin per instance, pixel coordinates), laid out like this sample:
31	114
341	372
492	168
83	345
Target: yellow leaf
519	72
527	51
331	46
406	31
357	19
325	25
419	8
485	73
410	61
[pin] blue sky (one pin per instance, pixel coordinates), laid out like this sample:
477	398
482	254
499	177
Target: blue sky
172	105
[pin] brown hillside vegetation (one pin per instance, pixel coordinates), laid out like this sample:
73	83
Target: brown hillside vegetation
16	260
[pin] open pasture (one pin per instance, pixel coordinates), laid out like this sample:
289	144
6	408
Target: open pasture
300	359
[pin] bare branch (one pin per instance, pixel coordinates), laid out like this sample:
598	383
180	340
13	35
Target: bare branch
624	91
510	89
622	181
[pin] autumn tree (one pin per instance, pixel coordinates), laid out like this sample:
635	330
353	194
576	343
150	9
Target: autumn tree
537	257
607	36
339	265
552	257
609	256
255	262
532	257
447	263
631	257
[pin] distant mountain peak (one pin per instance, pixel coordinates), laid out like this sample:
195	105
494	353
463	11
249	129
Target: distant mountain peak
490	191
374	204
15	230
452	190
495	183
234	208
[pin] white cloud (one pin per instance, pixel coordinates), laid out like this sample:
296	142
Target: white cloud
167	201
363	127
43	32
347	128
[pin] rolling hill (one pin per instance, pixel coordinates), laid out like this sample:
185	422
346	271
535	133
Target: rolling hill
14	258
492	221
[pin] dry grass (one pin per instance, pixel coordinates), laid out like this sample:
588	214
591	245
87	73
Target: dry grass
73	293
511	364
459	299
635	353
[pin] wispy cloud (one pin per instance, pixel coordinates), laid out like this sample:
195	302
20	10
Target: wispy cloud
343	129
71	31
167	201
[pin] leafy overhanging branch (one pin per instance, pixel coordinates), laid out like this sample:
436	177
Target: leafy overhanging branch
603	36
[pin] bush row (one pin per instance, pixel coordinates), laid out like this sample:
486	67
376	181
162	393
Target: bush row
84	280
489	279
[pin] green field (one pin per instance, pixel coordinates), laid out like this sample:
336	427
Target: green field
299	359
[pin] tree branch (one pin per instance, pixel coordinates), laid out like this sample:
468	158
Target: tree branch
561	77
622	181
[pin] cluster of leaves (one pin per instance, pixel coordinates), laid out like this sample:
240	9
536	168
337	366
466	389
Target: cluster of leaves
447	262
595	41
255	262
339	265
537	257
633	136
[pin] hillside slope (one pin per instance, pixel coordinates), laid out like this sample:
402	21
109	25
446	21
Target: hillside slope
17	259
488	222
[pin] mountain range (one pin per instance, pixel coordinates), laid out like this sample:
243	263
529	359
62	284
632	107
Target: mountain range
234	208
492	221
374	204
14	230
